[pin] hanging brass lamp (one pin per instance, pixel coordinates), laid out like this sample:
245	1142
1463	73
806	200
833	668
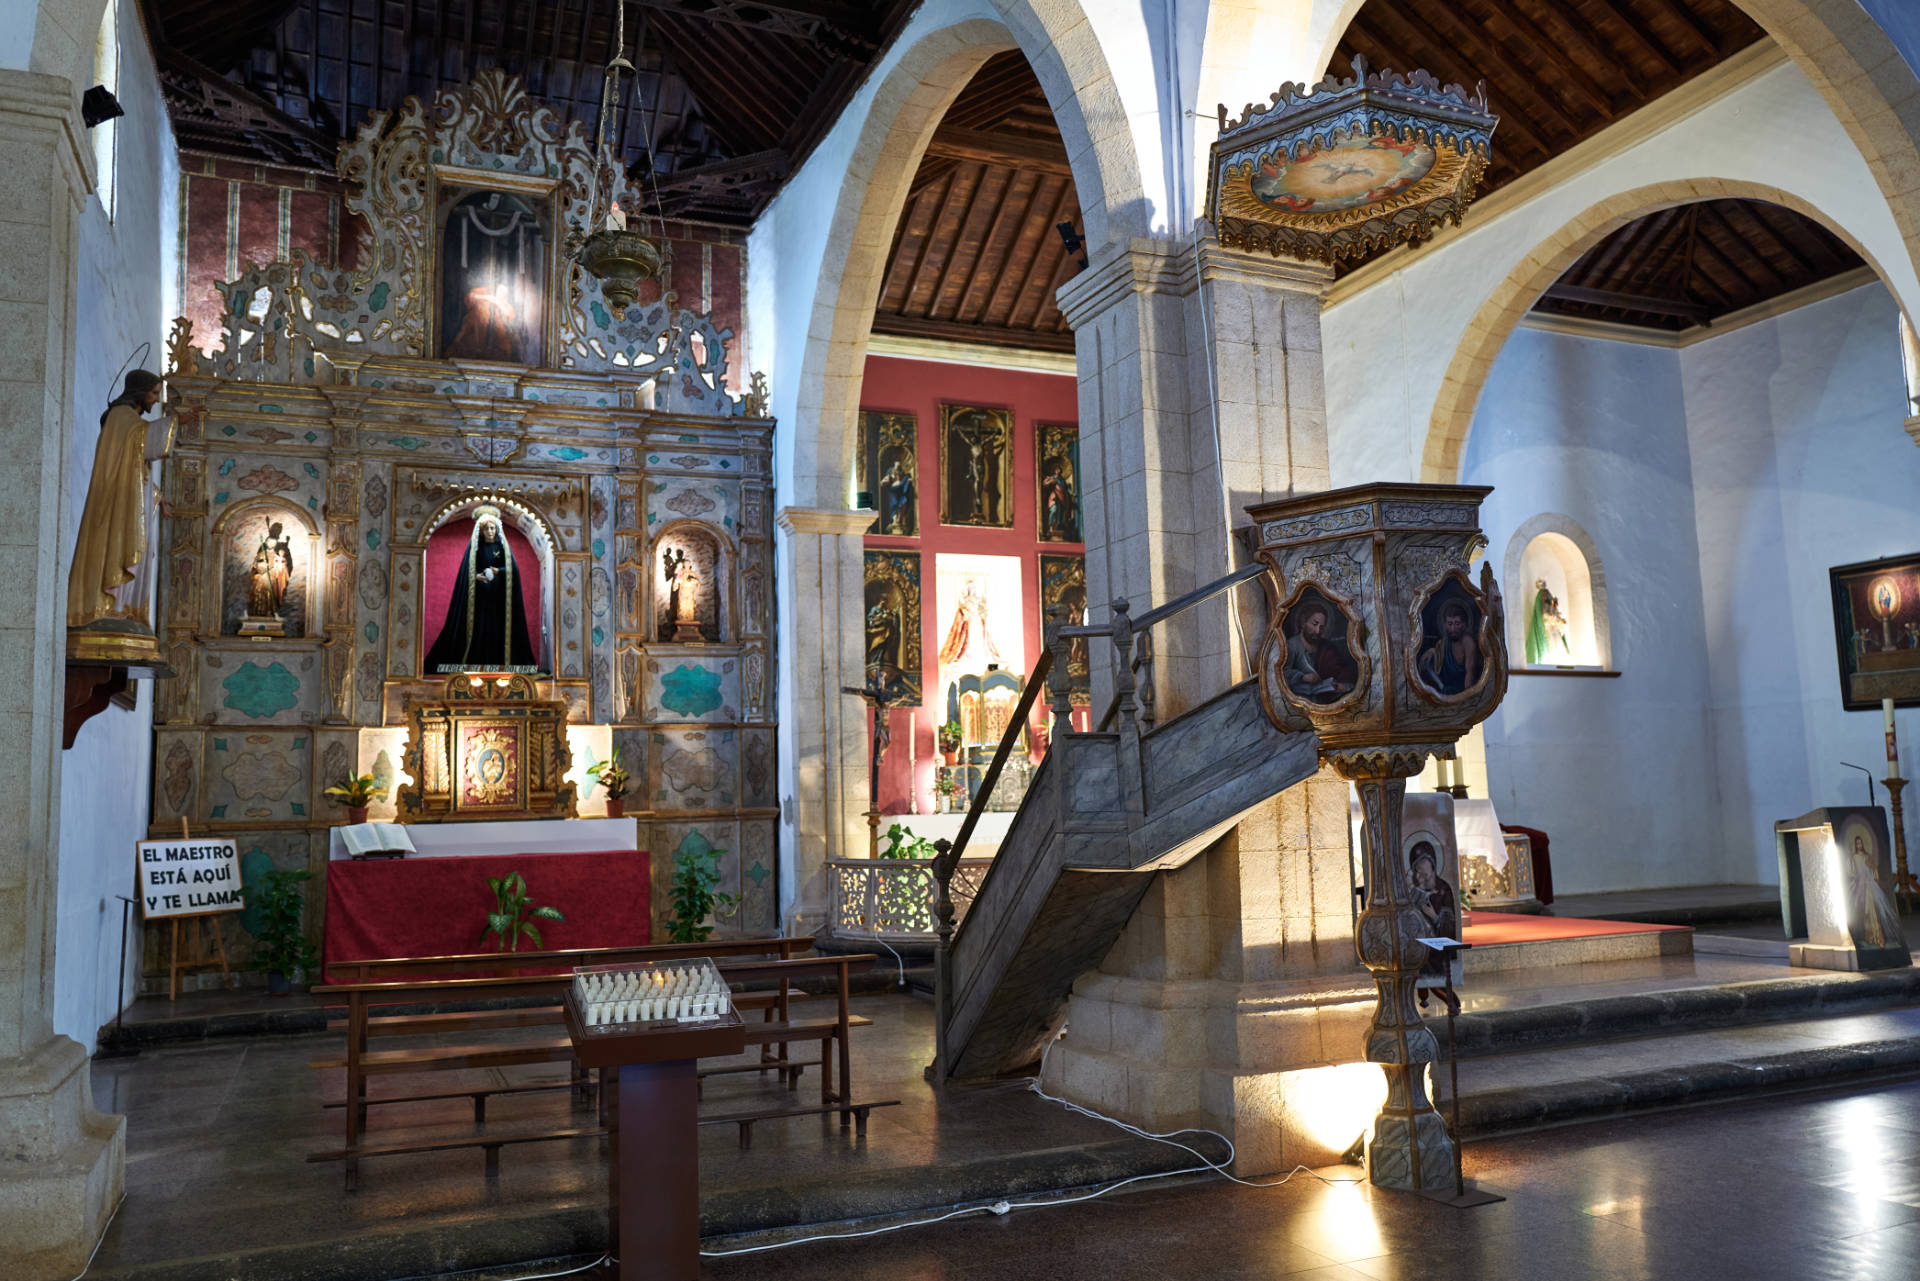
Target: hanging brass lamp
618	257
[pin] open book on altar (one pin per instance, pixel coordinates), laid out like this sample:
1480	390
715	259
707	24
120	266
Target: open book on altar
376	840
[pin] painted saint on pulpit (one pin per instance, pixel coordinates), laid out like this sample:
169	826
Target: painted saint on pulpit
493	279
486	621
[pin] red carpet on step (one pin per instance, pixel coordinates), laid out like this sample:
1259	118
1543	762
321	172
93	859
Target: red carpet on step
1491	928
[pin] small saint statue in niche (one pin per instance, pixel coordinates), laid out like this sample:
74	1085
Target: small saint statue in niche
486	625
267	583
683	595
1546	627
103	586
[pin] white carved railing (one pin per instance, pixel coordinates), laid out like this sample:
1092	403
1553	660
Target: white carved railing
892	898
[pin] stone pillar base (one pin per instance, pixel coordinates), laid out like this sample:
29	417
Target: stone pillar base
62	1164
1269	1065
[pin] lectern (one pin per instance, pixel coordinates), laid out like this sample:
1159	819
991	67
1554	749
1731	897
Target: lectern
645	1027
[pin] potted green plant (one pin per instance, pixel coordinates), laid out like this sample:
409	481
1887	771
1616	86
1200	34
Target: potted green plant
614	780
354	793
513	914
696	873
280	943
949	740
902	843
951	791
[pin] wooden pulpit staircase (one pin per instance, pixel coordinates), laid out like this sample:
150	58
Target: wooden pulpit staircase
1106	811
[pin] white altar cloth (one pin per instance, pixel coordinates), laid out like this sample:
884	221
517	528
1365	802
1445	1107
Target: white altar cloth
512	836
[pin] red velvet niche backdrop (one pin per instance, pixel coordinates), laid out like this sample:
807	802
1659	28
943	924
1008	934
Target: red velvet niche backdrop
446	551
919	387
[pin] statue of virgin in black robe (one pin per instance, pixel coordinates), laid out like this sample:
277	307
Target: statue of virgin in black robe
486	627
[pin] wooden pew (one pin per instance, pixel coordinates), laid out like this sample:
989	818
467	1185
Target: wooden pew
777	1028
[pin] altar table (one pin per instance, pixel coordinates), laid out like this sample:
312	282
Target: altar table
383	908
511	836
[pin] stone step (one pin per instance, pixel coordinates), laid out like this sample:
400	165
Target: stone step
1681	1011
1525	1091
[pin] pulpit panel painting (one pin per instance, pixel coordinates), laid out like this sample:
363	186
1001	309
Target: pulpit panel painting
267	558
1449	659
493	275
1320	666
484	602
1876	620
976	467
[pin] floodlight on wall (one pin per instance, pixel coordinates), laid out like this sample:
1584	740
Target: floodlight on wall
1348	167
98	105
619	257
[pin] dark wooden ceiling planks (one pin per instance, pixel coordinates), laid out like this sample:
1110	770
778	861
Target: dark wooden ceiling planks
1557	71
732	94
1692	264
975	256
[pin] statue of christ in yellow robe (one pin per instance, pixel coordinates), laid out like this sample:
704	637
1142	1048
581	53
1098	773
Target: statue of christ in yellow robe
113	524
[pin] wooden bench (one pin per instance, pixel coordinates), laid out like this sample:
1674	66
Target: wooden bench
777	1028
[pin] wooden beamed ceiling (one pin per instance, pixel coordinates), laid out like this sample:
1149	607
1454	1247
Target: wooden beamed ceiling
976	257
732	94
1689	265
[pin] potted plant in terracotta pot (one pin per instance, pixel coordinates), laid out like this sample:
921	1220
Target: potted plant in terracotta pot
355	793
949	741
281	943
614	780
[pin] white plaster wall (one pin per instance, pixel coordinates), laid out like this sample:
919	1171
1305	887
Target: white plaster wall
1388	347
1617	771
1800	463
126	275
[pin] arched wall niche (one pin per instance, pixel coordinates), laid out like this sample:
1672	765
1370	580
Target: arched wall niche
520	517
1555	549
709	554
238	536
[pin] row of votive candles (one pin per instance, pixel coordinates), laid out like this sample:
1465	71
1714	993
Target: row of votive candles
669	994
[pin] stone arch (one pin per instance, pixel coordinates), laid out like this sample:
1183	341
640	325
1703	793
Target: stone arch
1586	597
1509	301
905	108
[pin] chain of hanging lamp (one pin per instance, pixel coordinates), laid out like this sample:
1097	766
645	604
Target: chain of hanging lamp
619	257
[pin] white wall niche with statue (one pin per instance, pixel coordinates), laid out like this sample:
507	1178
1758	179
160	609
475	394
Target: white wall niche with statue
1558	619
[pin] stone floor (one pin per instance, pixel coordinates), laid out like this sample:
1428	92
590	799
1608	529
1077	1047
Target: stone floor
1813	1188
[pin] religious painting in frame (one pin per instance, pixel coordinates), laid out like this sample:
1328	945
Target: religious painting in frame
890	472
1876	624
976	466
1431	857
1057	446
1063	581
494	251
1451	658
1321	664
893	639
492	776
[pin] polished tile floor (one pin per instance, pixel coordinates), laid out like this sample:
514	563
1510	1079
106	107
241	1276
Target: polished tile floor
1822	1187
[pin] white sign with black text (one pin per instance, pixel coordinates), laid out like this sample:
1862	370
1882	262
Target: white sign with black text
189	877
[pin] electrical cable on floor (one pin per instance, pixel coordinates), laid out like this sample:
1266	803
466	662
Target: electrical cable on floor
1005	1207
103	1238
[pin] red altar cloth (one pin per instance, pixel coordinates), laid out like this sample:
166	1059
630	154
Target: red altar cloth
383	908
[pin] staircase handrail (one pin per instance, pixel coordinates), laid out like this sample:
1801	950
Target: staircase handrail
1160	614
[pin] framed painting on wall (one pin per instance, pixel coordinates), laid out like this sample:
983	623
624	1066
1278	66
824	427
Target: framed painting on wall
889	472
493	275
1876	625
1058	467
976	466
893	625
1063	581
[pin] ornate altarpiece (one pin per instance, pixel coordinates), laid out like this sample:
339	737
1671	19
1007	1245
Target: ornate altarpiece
325	405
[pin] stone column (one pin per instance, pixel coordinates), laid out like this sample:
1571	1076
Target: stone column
1237	973
822	732
62	1164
